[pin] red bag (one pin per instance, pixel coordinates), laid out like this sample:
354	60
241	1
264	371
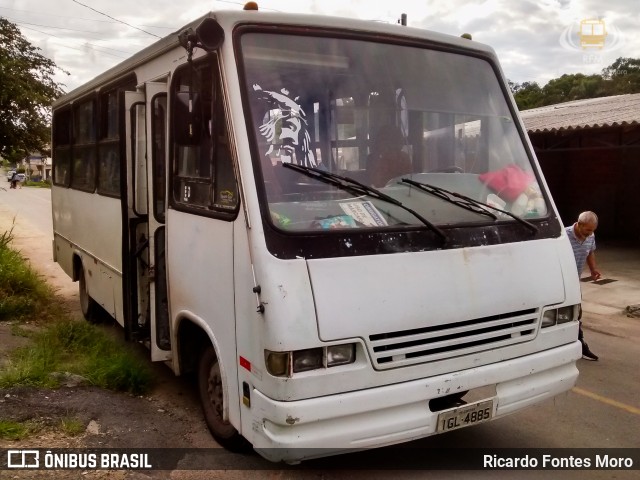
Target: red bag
508	182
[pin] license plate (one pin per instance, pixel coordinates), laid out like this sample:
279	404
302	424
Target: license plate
466	415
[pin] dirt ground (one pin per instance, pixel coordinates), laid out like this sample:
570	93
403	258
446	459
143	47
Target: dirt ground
168	416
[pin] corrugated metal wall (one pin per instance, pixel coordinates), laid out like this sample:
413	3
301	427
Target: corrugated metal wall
595	169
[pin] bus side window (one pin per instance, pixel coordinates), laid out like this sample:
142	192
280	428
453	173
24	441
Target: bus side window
225	192
83	161
61	147
203	175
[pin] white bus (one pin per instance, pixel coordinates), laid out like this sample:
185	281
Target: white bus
339	226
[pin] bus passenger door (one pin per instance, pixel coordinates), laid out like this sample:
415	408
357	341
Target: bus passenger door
146	307
157	128
134	217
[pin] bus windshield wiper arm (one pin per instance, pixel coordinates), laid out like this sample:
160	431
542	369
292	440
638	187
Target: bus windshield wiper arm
355	187
446	196
468	202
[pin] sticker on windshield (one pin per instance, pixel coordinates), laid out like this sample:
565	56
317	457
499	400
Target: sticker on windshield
365	213
341	221
285	128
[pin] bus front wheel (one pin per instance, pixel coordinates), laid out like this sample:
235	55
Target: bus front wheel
211	391
87	304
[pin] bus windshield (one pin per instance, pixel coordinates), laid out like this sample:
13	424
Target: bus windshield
377	114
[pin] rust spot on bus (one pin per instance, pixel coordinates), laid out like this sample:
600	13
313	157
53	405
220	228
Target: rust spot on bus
291	420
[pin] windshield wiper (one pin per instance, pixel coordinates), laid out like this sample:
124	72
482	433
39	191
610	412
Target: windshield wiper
467	202
353	186
446	195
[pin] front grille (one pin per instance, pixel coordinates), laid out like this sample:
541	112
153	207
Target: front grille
428	344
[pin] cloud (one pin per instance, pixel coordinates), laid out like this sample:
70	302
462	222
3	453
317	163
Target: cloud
525	33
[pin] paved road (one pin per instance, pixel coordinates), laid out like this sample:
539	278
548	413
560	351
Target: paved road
31	203
603	411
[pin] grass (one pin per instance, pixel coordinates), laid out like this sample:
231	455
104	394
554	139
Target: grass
60	344
22	291
44	184
78	348
15	431
71	426
10	430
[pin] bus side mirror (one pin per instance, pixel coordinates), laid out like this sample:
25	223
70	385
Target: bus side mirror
187	126
209	35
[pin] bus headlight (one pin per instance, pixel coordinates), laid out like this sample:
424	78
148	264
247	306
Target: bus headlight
341	354
556	316
566	314
283	364
310	359
277	363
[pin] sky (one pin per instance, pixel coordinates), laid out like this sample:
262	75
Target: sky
535	40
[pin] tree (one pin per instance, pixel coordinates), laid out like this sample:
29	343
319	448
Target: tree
621	77
527	95
27	90
558	89
621	67
624	75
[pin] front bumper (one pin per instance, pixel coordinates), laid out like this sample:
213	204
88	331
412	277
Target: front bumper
381	416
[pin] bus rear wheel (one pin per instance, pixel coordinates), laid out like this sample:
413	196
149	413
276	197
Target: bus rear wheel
87	304
211	391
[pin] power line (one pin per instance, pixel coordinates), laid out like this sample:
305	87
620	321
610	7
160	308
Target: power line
31	12
112	18
81	49
20	22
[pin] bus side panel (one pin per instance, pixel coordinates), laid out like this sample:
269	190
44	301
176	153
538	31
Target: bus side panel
201	286
63	252
88	225
250	327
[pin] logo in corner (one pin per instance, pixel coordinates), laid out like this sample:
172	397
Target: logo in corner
591	35
23	459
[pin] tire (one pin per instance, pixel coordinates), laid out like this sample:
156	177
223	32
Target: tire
210	387
88	305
